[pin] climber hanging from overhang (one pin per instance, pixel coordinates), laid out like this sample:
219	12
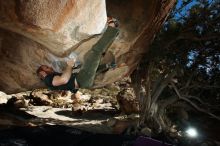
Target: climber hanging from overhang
85	77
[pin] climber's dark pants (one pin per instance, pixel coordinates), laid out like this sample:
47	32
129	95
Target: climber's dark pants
86	75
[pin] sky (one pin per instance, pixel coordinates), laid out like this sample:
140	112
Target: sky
192	55
185	9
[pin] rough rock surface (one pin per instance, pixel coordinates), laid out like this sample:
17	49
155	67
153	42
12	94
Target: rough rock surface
38	32
58	24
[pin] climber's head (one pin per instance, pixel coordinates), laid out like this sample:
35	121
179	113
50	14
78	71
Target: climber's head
43	71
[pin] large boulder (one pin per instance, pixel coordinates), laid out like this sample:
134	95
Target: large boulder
35	32
58	24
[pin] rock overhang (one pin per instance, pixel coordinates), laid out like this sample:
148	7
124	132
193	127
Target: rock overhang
48	31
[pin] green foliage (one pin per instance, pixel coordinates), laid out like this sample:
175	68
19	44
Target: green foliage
189	43
194	34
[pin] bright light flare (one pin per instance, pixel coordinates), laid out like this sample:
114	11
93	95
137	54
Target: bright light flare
191	132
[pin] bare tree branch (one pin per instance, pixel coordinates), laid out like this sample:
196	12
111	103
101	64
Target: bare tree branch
196	98
193	104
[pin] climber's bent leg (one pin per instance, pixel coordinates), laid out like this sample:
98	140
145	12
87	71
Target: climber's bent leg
87	74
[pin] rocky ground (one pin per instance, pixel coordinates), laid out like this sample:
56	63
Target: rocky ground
99	110
110	110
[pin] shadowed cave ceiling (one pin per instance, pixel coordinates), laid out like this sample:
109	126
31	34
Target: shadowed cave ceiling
35	32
